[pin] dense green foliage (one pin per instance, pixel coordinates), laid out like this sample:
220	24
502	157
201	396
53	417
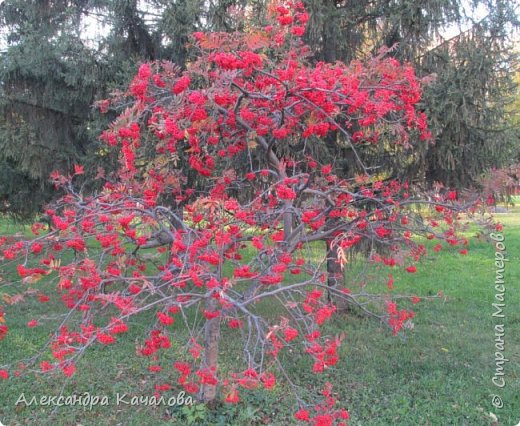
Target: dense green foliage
48	84
469	104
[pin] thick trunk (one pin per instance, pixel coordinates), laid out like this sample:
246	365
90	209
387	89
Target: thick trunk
335	277
211	347
330	33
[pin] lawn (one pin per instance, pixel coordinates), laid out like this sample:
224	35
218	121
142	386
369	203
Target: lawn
438	373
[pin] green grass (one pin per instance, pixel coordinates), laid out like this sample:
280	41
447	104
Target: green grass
438	373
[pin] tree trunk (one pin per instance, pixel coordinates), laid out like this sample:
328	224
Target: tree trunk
211	348
330	33
287	221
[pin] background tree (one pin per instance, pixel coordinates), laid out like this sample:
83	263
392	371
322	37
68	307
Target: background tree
49	81
470	103
466	104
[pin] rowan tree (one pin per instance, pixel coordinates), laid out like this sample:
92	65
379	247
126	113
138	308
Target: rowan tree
245	233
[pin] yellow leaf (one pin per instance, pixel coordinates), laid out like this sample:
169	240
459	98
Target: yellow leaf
256	40
32	279
444	349
342	257
55	264
13	300
149	285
